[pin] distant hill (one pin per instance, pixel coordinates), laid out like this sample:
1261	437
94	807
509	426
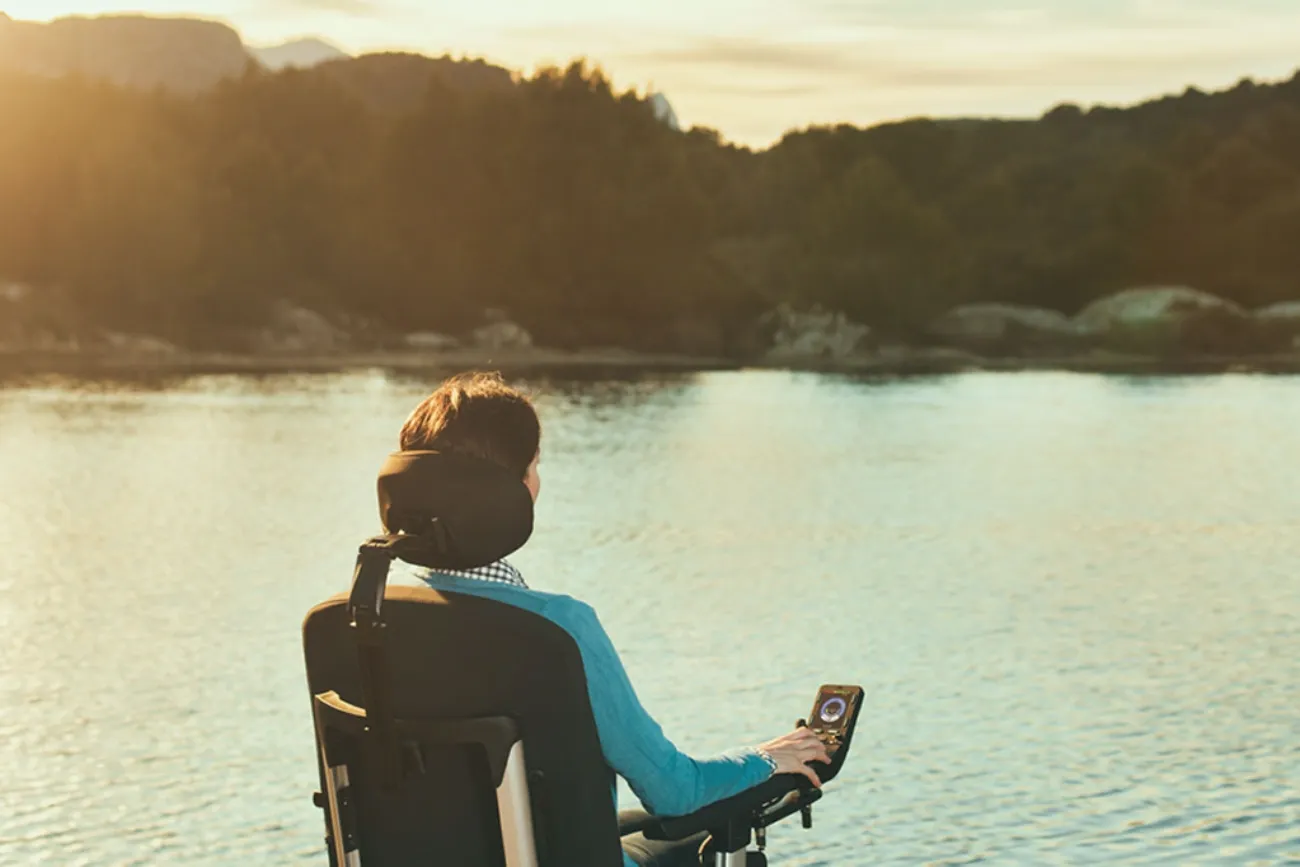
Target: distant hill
181	54
398	82
300	53
568	206
190	55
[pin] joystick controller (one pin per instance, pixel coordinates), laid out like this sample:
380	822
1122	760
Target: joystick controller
732	823
833	719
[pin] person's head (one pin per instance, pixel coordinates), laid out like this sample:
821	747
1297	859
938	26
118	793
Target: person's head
477	414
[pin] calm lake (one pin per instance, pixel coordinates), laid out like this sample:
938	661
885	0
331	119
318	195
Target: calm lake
1074	601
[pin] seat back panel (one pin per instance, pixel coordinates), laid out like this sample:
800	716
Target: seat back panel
455	656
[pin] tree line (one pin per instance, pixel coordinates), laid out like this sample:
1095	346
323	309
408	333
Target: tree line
570	207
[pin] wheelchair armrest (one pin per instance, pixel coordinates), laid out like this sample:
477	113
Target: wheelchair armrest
774	799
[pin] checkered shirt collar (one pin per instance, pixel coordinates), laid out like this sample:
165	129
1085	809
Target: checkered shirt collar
500	572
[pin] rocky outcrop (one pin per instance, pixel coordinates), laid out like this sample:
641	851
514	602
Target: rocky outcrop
1279	324
1142	306
1170	320
1008	329
502	334
138	344
181	54
664	112
297	329
812	335
430	341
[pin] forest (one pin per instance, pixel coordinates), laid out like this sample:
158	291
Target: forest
568	206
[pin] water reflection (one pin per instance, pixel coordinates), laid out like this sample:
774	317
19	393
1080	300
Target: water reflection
1071	599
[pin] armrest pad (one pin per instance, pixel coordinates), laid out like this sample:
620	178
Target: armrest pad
719	813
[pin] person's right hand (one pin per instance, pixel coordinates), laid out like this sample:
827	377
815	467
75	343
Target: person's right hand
792	750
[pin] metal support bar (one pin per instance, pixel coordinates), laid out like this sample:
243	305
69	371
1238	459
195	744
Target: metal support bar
516	812
346	853
739	858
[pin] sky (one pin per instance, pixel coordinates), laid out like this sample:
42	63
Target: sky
756	69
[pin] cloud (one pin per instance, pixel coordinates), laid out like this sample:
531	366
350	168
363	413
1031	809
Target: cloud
930	14
1120	14
756	87
750	53
865	61
925	58
358	8
757	91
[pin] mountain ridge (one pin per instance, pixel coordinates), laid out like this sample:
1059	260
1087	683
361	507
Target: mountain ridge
303	52
140	51
190	55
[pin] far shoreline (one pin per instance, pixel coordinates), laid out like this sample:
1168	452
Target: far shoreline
613	361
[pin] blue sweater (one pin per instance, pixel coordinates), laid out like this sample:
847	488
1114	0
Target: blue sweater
667	781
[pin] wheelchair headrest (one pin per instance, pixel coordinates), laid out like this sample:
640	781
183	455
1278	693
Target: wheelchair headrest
471	511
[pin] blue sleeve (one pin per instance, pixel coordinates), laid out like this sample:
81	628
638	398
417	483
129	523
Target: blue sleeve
668	782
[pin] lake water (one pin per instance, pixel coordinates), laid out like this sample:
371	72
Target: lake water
1073	601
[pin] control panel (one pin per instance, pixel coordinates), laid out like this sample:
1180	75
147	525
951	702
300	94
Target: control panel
833	718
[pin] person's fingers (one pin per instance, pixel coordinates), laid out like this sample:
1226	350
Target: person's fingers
817	745
811	775
793	749
817	751
803	734
814	750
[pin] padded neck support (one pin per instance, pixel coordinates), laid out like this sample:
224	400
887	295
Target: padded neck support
469	511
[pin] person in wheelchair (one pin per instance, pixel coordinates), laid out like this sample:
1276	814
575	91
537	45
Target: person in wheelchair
480	416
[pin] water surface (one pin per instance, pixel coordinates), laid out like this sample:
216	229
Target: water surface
1072	600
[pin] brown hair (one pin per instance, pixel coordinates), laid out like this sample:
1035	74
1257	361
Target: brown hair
476	414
